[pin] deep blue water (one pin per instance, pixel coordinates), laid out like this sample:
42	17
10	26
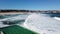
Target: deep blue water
53	14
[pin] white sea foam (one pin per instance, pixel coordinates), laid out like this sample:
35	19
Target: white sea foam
42	24
39	23
15	18
57	18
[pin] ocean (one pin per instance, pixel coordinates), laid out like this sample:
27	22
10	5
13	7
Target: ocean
41	23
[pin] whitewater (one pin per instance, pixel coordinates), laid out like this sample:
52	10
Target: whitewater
42	24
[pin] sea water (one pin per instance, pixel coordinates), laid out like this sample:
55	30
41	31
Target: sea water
12	19
41	23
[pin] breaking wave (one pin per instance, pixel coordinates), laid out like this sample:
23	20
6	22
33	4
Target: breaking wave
42	24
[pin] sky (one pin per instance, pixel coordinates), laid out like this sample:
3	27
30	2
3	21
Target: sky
30	4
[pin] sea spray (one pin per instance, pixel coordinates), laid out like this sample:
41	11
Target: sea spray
1	32
57	18
42	24
27	22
